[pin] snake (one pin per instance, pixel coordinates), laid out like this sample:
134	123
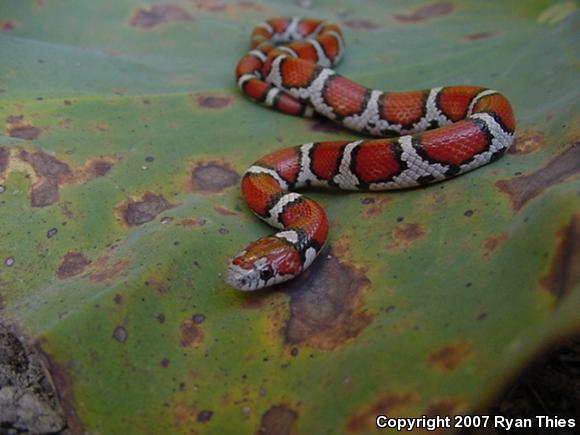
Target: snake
413	138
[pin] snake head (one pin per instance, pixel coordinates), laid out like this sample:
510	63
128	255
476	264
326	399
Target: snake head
265	262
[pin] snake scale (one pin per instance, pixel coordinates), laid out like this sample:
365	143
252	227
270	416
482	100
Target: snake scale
425	136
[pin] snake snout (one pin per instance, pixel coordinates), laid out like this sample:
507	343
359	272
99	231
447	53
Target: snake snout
239	278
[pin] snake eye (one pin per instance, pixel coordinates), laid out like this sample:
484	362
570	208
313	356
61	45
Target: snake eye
266	273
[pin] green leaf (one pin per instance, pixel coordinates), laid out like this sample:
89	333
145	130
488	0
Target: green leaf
124	139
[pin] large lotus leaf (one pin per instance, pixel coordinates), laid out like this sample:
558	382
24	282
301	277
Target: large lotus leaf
124	139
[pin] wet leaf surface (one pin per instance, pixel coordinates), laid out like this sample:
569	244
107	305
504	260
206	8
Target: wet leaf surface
123	142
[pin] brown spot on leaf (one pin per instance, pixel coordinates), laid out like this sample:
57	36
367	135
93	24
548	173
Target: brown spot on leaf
192	223
51	172
209	101
450	356
213	177
405	234
224	211
190	334
92	169
198	318
564	272
27	132
105	271
138	212
46	165
204	416
159	285
185	415
164	362
66	211
360	24
152	16
391	404
278	420
527	142
342	248
376	207
118	299
15	119
120	334
7	25
325	304
426	12
479	36
100	167
522	189
73	263
102	127
4	157
491	243
253	302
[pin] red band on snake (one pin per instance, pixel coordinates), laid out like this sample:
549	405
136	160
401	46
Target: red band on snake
443	132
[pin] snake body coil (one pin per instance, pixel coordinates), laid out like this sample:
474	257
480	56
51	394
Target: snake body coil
442	132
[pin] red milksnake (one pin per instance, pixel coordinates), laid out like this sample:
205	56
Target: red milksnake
443	132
